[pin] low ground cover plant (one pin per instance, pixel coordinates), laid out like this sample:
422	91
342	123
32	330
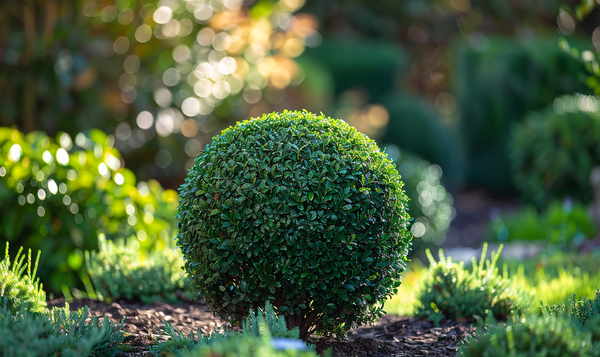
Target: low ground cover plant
549	336
121	269
257	329
583	313
28	328
298	209
450	291
568	329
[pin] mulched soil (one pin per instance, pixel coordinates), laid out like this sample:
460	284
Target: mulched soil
396	336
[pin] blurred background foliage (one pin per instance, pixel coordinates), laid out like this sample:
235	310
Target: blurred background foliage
462	93
58	195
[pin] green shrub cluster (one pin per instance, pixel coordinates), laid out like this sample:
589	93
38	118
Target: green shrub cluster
298	209
553	151
123	270
499	80
254	339
563	224
569	329
21	290
56	195
450	291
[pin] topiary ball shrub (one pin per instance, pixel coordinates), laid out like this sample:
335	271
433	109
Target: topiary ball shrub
299	209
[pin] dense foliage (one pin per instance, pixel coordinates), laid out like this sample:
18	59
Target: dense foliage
17	289
57	195
451	291
554	150
124	270
298	209
565	224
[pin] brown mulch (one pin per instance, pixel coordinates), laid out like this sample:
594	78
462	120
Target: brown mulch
391	335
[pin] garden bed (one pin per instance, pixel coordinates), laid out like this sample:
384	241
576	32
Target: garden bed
390	336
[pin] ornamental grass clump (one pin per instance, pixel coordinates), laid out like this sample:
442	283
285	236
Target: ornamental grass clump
123	270
261	324
300	210
451	291
28	328
548	336
584	314
21	290
568	329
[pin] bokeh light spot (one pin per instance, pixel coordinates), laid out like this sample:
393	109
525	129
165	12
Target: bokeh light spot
145	120
62	156
121	45
163	159
15	152
193	148
205	36
190	106
163	97
171	77
162	15
189	128
143	33
108	13
131	64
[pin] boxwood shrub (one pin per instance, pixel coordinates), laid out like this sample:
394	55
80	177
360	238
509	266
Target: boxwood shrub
299	209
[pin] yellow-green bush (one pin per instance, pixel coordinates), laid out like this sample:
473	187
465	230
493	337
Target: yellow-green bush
21	290
58	194
123	270
451	291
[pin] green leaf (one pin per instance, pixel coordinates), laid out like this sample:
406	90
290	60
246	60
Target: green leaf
349	287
